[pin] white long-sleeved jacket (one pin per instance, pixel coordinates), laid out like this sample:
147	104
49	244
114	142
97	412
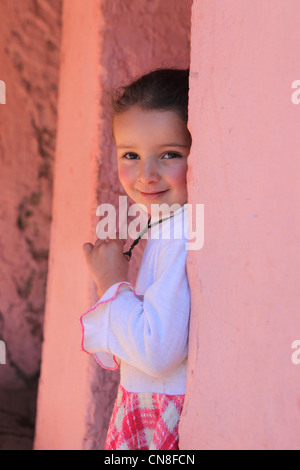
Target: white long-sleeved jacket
144	328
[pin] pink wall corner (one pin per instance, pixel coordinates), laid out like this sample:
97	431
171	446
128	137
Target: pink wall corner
243	388
104	44
29	67
64	395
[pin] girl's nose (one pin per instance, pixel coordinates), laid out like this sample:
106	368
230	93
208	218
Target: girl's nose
148	172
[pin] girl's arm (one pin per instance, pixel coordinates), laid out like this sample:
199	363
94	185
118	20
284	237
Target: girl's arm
149	332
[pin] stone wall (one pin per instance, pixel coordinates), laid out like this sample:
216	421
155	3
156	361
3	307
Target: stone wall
29	66
243	388
118	40
137	36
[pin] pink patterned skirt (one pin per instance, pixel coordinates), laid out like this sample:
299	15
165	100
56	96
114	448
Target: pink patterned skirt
144	421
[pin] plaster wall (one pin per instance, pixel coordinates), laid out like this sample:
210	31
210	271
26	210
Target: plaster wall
29	68
243	387
104	44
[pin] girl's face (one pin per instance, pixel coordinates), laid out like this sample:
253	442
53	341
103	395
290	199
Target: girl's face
152	150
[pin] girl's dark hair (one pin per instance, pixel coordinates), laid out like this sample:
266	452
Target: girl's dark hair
163	88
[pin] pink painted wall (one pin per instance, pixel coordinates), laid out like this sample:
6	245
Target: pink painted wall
118	40
64	384
29	66
136	37
29	59
243	389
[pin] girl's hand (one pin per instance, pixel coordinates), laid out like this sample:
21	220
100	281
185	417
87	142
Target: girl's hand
106	262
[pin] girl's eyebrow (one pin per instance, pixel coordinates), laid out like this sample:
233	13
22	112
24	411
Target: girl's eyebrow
163	145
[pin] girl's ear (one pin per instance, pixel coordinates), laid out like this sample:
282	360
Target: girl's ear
190	135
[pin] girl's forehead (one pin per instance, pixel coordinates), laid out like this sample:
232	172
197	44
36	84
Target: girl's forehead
136	112
157	122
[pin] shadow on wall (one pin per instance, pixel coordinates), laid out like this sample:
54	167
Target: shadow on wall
2	92
137	36
145	35
29	57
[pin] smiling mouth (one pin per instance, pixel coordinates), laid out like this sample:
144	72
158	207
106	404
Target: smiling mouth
153	193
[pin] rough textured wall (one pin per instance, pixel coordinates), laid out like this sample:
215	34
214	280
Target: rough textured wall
118	40
29	65
65	384
243	388
137	36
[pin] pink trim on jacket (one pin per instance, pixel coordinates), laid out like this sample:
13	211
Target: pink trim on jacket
93	308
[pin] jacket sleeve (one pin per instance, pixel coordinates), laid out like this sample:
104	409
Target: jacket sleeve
150	331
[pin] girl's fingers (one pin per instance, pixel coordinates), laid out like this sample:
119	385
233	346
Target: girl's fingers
121	239
87	247
99	241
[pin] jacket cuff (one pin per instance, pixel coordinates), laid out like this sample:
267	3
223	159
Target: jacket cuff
95	327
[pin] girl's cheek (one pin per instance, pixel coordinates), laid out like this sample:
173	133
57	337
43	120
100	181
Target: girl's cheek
126	174
178	175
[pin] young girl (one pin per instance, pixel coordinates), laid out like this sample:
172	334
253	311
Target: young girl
143	327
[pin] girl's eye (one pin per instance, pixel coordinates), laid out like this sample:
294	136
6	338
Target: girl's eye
172	155
132	156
